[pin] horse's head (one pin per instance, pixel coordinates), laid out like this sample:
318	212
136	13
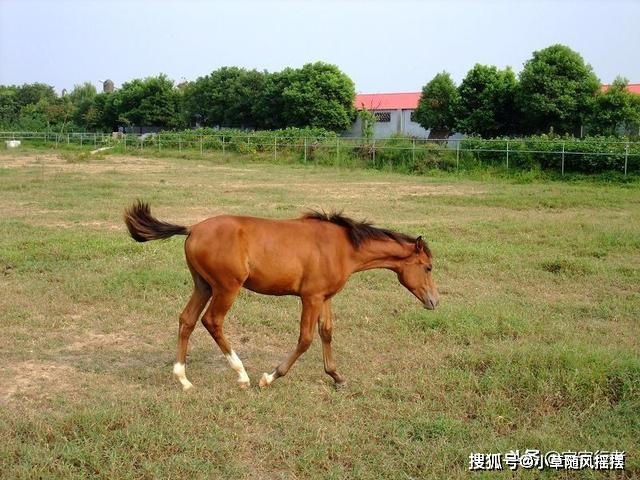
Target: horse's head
415	275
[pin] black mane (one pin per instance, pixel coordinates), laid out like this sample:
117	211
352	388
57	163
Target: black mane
359	232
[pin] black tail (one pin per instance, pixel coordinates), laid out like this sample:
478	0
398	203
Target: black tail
144	227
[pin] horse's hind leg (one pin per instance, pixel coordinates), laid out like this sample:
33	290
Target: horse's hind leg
188	319
213	320
324	329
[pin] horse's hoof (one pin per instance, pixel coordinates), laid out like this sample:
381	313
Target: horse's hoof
266	380
187	386
244	384
340	385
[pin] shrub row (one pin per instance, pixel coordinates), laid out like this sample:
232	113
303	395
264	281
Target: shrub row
586	155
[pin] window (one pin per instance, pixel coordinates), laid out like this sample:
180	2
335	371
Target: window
383	117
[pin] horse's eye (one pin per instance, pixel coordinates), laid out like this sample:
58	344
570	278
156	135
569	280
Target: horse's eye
427	268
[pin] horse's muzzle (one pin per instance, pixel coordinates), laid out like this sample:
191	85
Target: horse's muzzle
431	302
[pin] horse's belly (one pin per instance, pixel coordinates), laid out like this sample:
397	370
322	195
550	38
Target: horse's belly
266	286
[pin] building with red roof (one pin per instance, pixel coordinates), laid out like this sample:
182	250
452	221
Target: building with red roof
393	113
632	87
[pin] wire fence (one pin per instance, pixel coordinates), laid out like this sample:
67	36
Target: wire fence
414	154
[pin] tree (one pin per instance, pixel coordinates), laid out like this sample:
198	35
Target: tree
437	106
9	107
29	106
32	93
318	95
270	108
81	98
226	98
486	105
616	110
152	101
556	92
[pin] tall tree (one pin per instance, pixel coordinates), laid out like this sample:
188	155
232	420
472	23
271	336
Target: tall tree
270	109
81	98
226	97
617	110
9	107
438	105
557	91
319	95
153	101
486	105
32	93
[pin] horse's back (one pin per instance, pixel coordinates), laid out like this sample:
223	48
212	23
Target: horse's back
266	255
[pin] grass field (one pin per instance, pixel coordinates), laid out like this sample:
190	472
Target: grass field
535	344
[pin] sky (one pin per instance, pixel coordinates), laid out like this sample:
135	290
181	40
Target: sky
382	45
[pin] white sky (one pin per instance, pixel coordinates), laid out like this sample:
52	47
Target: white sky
383	45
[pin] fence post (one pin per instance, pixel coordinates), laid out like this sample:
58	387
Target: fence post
373	151
626	158
275	148
507	155
413	152
458	155
562	172
305	149
223	147
201	145
337	150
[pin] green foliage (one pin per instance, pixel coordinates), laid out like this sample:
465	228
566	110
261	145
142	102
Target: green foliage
367	124
588	155
9	107
224	98
616	110
82	100
153	101
556	91
486	105
319	95
30	107
410	156
438	104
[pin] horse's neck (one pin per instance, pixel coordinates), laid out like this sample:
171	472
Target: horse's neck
380	254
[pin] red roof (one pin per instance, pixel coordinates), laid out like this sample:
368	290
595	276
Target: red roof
632	87
387	101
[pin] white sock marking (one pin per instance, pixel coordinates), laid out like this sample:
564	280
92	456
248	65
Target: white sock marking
236	364
179	372
266	379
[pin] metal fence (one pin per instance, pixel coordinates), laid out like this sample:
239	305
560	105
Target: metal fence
410	153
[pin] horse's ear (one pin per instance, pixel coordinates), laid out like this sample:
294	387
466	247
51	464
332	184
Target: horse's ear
420	245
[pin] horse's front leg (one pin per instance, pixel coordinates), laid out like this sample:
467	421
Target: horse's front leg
311	309
324	329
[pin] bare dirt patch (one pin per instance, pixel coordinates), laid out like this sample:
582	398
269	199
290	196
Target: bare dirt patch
36	379
94	165
92	341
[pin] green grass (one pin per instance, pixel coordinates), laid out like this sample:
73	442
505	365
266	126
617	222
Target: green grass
534	346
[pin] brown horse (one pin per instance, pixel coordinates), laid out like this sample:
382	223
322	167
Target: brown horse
311	257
